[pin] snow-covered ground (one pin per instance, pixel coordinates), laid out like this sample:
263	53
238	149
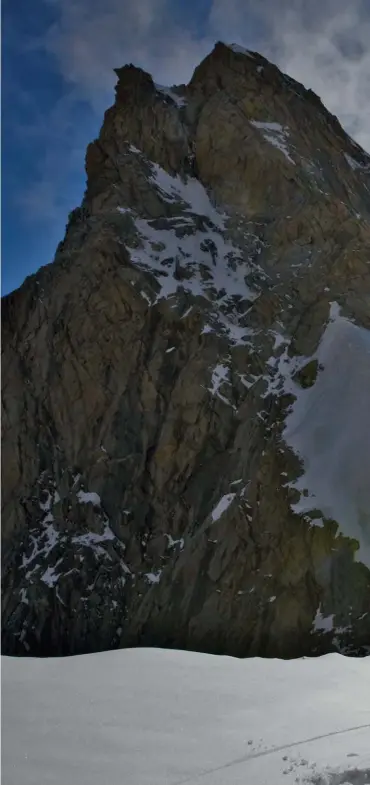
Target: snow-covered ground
156	717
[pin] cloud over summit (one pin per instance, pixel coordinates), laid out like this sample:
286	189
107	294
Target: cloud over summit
322	44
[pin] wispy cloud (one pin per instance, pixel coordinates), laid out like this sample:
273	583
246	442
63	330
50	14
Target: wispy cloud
53	141
91	38
323	44
85	42
47	200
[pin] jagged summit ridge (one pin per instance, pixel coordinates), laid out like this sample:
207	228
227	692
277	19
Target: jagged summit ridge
162	467
132	80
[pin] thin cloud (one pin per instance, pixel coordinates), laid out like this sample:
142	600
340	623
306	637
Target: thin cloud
62	135
91	38
329	53
323	44
87	41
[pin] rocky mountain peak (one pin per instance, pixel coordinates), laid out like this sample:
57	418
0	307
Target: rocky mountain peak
134	85
185	389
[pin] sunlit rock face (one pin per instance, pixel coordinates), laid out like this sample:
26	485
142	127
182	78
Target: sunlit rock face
185	389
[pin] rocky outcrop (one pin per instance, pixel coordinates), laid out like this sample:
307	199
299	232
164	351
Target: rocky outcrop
185	426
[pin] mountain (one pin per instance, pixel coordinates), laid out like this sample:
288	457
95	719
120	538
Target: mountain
149	717
186	425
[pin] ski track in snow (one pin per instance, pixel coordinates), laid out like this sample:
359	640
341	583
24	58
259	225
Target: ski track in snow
271	751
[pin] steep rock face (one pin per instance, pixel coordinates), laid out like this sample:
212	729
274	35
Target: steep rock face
185	419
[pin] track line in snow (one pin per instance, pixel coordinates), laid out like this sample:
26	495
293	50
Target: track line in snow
262	754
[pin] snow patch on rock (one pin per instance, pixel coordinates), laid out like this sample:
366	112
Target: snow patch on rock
153	577
219	378
89	497
323	623
222	506
275	134
241	50
169	92
189	253
356	165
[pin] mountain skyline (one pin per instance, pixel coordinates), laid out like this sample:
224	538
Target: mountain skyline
58	78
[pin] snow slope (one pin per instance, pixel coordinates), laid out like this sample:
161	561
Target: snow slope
329	428
162	717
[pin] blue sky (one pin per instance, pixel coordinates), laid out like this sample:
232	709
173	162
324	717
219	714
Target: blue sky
58	60
44	133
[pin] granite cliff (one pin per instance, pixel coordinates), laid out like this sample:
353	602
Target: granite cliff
185	389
